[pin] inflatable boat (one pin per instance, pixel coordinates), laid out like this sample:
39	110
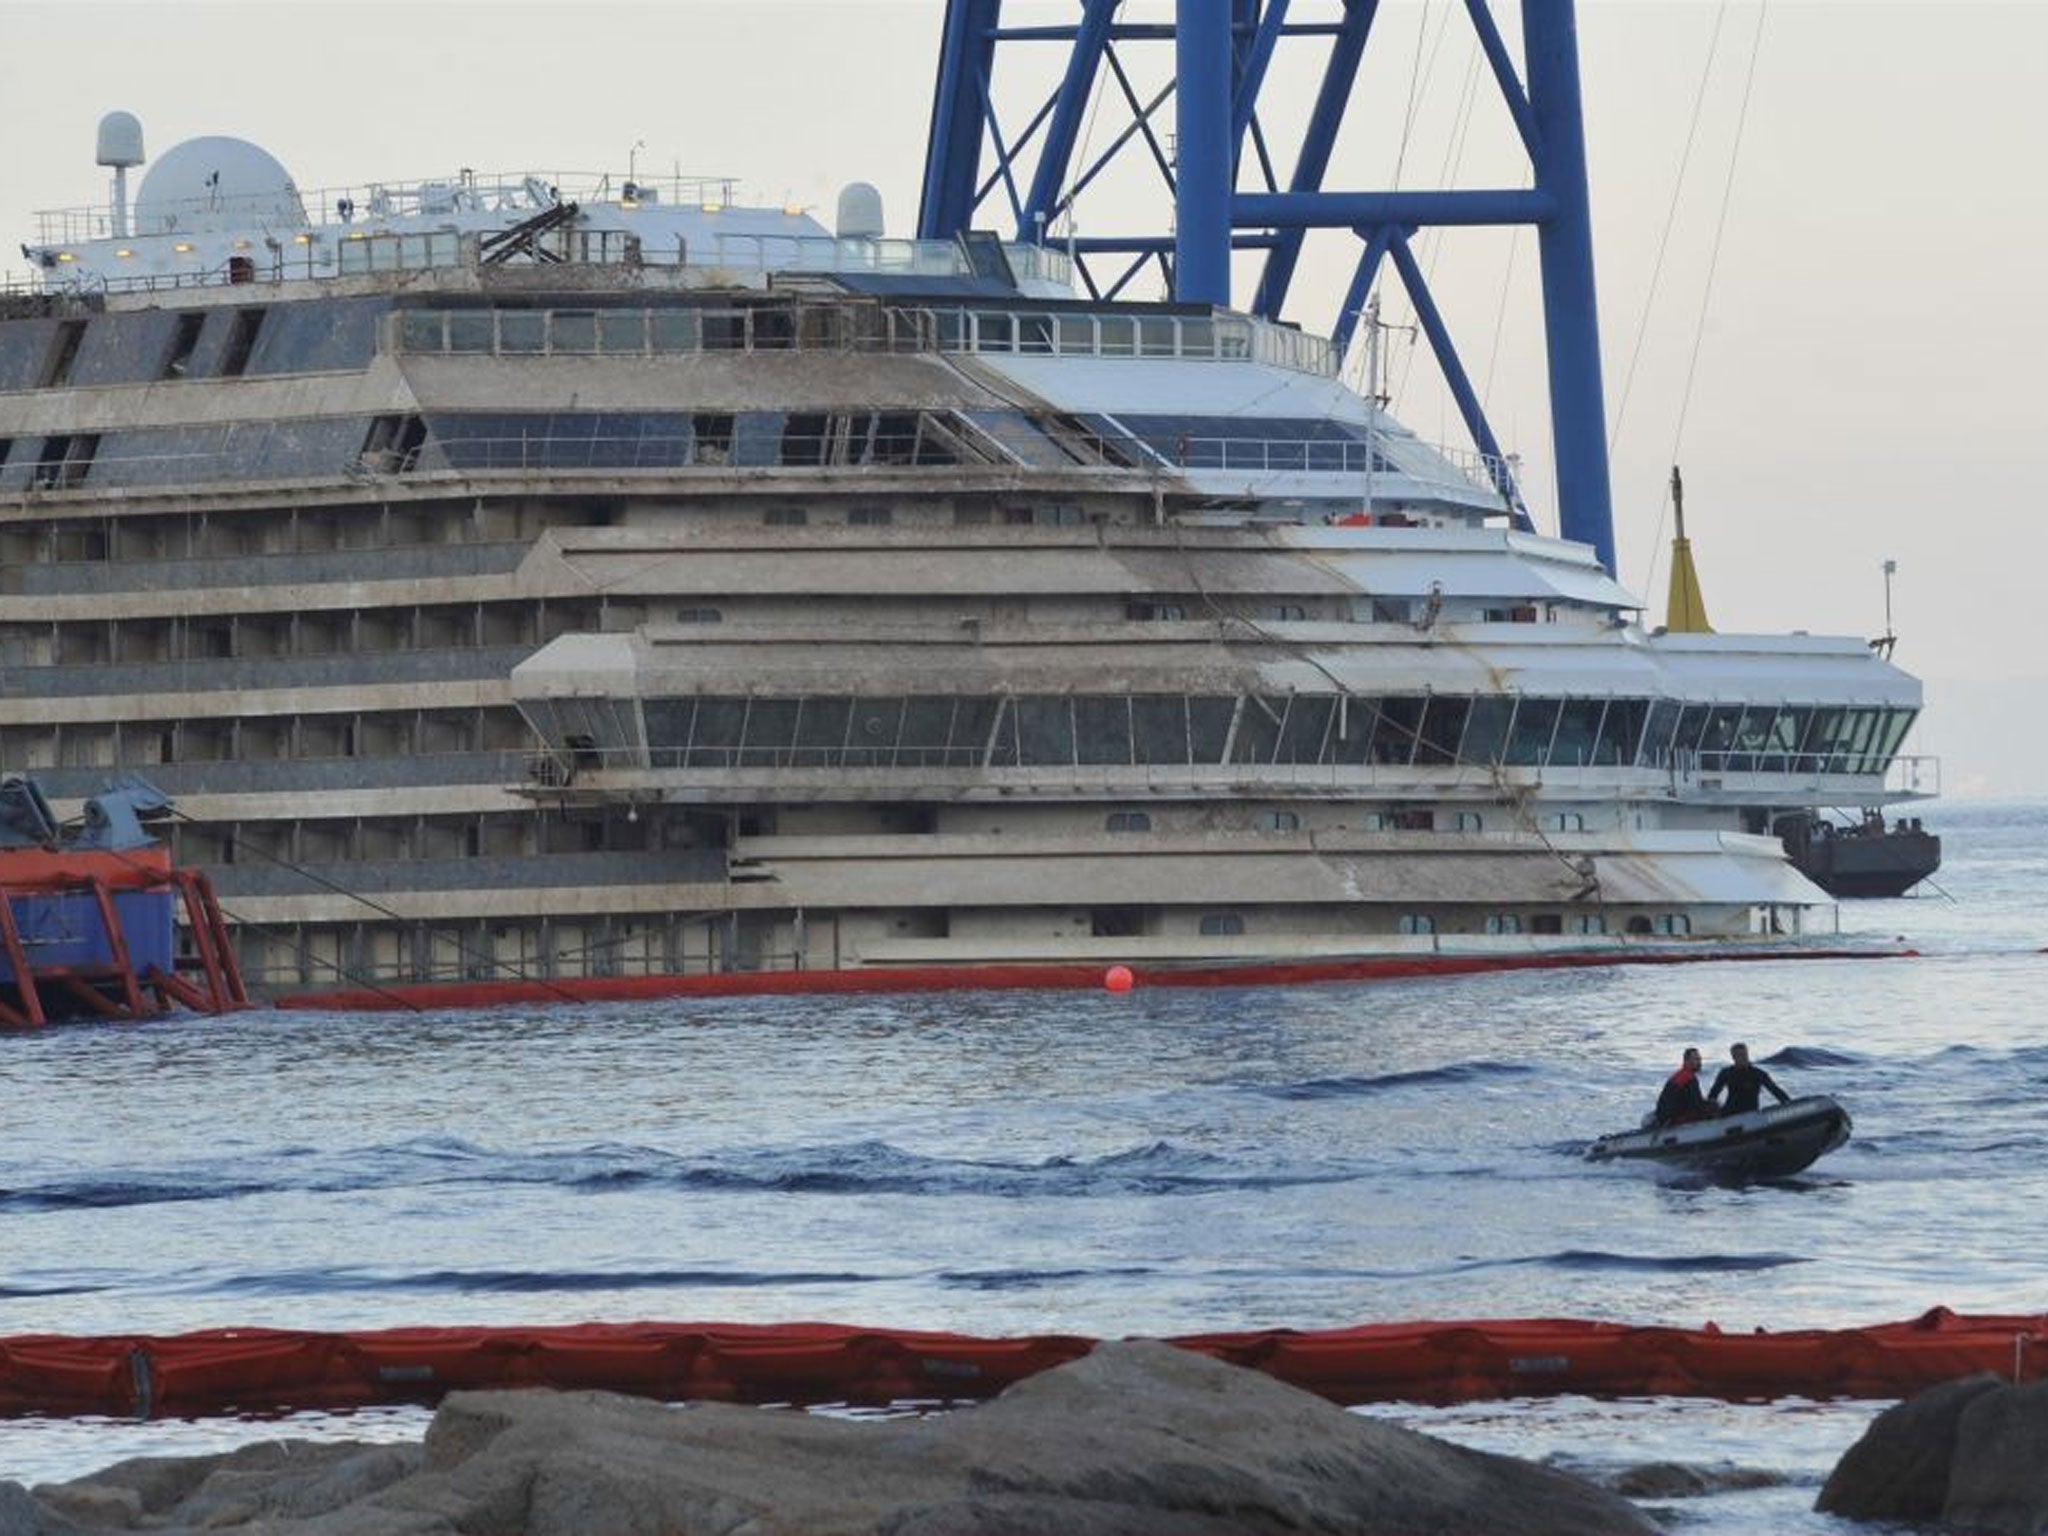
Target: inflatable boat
1761	1144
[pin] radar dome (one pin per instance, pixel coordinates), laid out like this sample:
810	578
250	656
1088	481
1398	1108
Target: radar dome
216	184
120	140
860	212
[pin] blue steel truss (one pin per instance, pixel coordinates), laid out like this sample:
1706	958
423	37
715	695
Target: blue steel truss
1219	168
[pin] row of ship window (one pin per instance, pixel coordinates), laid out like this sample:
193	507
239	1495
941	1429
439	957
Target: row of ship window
333	447
776	328
1668	924
1427	730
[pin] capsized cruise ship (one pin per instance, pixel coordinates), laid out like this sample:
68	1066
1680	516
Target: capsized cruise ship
541	578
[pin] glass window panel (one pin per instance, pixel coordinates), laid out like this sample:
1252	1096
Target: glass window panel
471	330
668	729
993	332
821	731
1351	731
1119	336
715	741
1486	729
1159	728
1077	335
1656	748
1895	732
972	721
1442	726
1621	731
1156	338
1198	338
422	330
574	330
927	725
1102	729
1209	727
1308	722
522	330
1535	723
1234	338
876	724
1692	724
1045	730
675	330
771	731
1221	924
1003	751
1578	728
1258	729
1718	740
1394	733
622	330
1034	334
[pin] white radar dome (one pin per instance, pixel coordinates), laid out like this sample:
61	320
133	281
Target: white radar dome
120	140
860	212
215	184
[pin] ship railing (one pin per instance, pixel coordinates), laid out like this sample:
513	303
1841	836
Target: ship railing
466	191
1909	775
903	448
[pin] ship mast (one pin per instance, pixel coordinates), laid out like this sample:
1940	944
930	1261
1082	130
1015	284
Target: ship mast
1685	608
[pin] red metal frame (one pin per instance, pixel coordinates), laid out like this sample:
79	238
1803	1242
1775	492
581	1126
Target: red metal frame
117	990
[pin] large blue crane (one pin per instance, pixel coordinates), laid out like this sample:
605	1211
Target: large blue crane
1221	168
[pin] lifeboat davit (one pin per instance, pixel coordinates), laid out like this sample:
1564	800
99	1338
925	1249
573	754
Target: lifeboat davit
1761	1144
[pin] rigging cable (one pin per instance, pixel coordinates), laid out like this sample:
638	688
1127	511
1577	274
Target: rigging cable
1670	222
1707	292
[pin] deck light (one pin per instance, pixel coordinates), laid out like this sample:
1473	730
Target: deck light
302	239
124	255
66	256
182	246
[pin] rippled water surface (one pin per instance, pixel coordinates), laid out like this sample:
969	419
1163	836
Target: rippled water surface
1163	1162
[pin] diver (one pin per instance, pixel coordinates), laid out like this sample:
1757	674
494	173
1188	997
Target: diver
1740	1080
1681	1099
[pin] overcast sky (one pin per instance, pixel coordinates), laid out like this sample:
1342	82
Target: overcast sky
1869	377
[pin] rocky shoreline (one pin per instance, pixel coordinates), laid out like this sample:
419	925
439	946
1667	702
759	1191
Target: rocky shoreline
1137	1439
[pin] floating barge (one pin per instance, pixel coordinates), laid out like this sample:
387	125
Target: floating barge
89	915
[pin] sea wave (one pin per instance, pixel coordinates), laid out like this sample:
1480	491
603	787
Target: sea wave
1454	1073
863	1168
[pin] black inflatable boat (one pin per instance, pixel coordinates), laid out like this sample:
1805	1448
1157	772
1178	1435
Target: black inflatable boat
1762	1144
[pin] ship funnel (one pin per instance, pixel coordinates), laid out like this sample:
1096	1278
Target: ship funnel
860	212
120	146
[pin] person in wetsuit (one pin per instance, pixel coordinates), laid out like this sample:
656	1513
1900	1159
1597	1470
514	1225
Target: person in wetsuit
1681	1099
1741	1082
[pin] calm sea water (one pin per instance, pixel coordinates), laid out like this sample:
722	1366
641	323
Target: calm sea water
1165	1162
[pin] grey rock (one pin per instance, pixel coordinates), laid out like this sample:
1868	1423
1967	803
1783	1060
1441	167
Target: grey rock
1899	1470
1134	1440
1682	1480
23	1515
1998	1479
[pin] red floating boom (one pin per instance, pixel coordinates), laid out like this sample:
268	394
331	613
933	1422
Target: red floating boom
256	1369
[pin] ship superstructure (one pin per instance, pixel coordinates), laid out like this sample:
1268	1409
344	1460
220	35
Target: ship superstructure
565	577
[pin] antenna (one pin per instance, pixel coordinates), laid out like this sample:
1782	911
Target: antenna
1883	643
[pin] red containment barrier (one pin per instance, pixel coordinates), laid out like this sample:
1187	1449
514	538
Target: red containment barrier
228	1370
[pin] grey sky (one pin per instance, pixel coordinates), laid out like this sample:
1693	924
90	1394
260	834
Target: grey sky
1869	380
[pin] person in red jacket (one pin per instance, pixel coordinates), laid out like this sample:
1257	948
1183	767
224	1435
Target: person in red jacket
1681	1099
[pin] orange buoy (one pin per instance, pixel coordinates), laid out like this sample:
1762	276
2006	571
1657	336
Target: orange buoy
1118	978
